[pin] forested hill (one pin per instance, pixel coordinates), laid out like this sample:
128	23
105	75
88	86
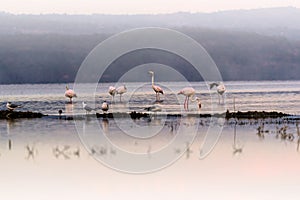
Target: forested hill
268	21
55	56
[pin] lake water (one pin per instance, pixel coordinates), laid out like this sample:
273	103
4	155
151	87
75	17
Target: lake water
94	158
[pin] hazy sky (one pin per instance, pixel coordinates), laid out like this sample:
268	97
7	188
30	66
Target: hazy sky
135	6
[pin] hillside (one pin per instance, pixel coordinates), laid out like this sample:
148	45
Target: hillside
56	58
50	48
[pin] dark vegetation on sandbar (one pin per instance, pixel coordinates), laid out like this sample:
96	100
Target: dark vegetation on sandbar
5	114
255	115
227	115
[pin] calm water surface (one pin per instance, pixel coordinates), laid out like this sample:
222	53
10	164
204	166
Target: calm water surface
45	159
281	96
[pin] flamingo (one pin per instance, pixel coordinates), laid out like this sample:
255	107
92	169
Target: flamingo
188	92
86	108
11	106
104	106
70	93
220	89
156	88
121	90
112	91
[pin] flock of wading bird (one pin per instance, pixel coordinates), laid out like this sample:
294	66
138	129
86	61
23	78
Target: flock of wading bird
188	92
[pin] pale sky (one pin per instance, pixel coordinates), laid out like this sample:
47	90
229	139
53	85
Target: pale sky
135	6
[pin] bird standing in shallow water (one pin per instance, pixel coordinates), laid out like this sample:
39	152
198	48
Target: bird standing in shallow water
104	106
70	93
112	91
121	90
220	89
188	92
156	88
86	108
11	106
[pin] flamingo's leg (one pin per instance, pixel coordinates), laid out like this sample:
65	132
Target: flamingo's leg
187	103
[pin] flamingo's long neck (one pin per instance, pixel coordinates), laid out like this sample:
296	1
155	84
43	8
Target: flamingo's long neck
152	79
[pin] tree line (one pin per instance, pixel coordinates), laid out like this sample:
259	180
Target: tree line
55	58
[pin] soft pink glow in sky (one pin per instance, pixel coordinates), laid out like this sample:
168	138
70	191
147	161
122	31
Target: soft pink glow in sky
135	6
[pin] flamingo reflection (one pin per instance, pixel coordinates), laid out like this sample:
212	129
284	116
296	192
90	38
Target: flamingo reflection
236	148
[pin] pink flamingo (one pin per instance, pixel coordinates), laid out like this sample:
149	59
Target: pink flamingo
220	89
189	92
121	90
112	91
70	93
156	88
